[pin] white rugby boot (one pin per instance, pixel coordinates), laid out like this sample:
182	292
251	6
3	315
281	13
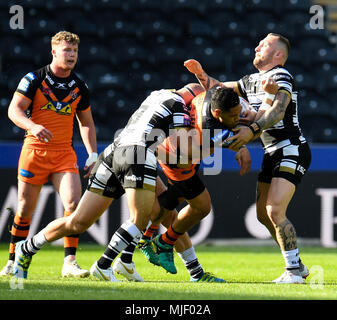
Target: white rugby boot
103	274
72	269
290	276
128	270
304	271
7	270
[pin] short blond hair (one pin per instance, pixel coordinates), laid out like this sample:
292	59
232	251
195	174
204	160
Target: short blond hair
66	36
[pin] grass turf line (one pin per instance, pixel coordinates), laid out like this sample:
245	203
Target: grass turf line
248	271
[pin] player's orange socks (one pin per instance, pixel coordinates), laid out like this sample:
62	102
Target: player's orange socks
19	232
70	242
170	236
150	231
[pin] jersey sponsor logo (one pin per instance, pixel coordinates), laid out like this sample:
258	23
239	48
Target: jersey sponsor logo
51	81
59	107
133	178
24	85
26	173
71	83
61	85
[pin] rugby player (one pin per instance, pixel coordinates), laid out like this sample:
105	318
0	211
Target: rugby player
45	104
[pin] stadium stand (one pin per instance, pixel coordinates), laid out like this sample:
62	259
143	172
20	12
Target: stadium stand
129	48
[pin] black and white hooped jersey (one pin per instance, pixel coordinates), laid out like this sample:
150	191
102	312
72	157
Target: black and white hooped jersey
287	130
149	125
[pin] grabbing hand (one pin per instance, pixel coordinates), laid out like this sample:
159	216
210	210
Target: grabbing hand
89	164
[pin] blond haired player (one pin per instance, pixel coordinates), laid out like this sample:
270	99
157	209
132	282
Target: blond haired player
45	104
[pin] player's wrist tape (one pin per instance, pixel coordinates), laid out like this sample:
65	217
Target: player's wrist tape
269	96
255	128
91	159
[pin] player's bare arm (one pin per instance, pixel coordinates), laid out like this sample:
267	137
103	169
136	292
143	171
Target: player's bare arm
205	80
276	113
88	134
16	113
246	134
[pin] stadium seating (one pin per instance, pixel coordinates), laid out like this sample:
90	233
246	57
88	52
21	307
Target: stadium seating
129	48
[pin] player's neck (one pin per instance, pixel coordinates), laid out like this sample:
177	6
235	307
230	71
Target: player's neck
59	72
266	68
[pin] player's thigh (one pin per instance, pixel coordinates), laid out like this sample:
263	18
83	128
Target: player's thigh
28	195
68	185
280	194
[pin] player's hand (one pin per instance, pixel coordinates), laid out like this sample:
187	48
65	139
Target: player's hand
89	164
269	85
244	160
247	117
242	136
193	66
41	133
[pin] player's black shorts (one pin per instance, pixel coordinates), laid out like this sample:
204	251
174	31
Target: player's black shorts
290	163
187	189
123	167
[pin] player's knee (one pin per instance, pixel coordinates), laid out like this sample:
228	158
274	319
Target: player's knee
275	213
71	205
76	226
261	215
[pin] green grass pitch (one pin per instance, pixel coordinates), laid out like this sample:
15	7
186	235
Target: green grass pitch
248	271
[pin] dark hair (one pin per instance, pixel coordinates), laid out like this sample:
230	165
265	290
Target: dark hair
283	40
224	99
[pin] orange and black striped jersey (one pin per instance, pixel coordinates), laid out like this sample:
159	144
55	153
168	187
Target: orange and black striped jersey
54	102
207	126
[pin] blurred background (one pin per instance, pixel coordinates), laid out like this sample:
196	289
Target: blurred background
131	47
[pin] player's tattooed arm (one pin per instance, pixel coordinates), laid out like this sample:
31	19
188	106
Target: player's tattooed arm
276	113
286	235
205	80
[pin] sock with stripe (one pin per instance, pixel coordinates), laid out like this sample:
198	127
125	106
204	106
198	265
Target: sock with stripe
126	234
150	231
191	262
170	236
70	242
127	253
19	232
33	245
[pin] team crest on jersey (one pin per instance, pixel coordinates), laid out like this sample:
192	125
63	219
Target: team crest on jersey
46	91
74	94
59	107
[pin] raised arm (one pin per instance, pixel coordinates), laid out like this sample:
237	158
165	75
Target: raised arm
205	80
